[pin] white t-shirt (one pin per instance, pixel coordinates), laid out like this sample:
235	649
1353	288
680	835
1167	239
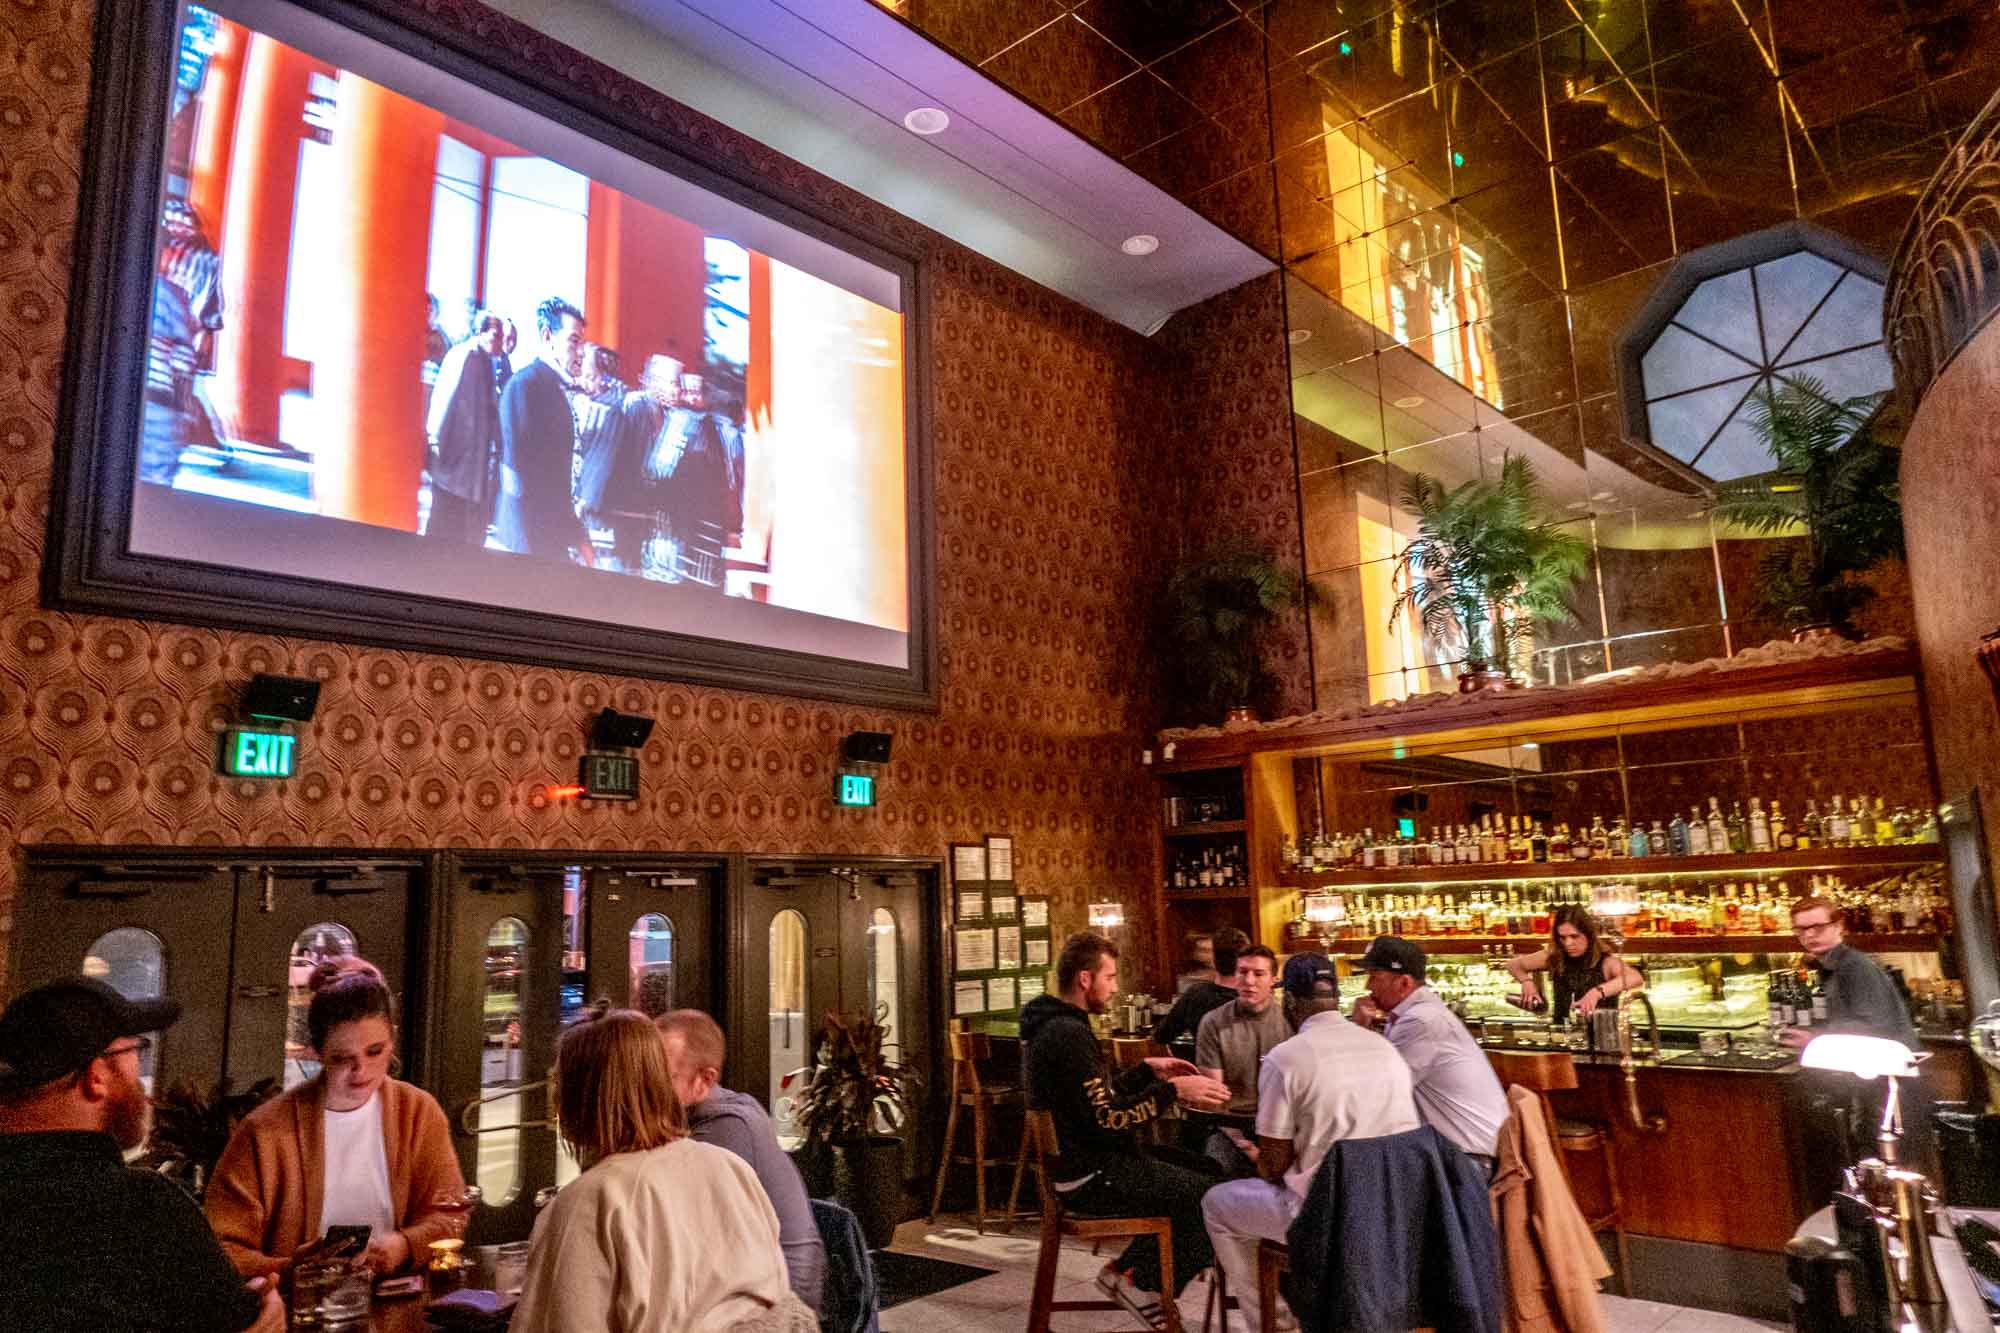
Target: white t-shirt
1332	1081
355	1192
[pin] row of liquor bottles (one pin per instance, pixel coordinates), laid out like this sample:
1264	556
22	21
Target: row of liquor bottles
1519	839
1212	867
1896	904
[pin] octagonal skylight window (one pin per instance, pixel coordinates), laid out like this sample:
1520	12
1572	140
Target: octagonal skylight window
1730	319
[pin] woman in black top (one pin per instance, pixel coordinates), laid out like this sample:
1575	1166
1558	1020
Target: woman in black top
1582	972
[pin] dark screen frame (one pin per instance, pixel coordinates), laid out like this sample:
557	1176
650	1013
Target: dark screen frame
88	566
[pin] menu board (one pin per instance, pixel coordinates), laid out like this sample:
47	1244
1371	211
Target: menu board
1000	993
1035	912
975	950
1036	952
1001	943
1003	907
1007	949
968	997
971	904
968	863
1000	858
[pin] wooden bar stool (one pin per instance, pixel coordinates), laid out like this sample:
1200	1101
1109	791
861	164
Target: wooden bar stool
1057	1223
1554	1071
970	1089
1274	1257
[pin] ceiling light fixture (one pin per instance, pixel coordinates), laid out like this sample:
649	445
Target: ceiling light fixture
1602	495
1408	401
1297	336
927	120
1142	244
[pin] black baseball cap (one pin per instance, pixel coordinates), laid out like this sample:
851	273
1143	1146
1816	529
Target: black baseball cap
53	1031
1310	976
1392	953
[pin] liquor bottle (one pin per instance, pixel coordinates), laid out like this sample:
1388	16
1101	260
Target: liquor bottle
1638	844
1732	911
1817	1002
1885	827
1782	836
1802	1005
1538	845
1837	832
1677	836
1738	827
1860	824
1718	828
1760	827
1768	908
1902	826
1559	844
1697	833
1600	838
1465	848
1618	842
1658	840
1519	849
1928	830
1438	854
1774	1003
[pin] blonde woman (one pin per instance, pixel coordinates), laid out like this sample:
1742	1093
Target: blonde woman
659	1232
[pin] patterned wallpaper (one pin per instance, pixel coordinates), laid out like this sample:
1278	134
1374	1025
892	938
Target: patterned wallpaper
1048	494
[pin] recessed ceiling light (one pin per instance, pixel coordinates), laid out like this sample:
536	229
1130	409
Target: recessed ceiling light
1577	504
1602	495
1531	745
1142	244
1410	400
1297	336
927	120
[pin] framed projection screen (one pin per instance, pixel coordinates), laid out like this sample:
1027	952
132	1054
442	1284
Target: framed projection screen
373	338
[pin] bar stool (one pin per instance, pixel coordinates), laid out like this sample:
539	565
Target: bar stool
1555	1071
1057	1223
970	1089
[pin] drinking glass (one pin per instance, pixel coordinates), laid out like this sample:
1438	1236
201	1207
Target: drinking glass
348	1296
510	1268
1714	1043
311	1280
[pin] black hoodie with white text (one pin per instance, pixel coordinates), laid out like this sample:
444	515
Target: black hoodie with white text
1095	1107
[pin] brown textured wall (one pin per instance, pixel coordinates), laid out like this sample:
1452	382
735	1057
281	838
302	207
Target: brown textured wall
1048	443
1951	519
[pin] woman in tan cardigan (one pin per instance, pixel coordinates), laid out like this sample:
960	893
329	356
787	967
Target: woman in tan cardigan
351	1147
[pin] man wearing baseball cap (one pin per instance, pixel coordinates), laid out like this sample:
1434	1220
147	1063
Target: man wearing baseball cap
1457	1092
1333	1080
90	1244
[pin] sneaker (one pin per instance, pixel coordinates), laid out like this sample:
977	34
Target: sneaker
1144	1305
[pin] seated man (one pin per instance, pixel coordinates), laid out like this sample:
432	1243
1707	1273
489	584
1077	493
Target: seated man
1101	1169
1332	1081
1194	1003
1457	1092
90	1243
736	1121
1235	1038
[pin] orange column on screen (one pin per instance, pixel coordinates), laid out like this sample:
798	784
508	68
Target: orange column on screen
263	170
215	126
368	382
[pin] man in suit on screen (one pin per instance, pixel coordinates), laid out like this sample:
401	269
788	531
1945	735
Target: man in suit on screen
537	513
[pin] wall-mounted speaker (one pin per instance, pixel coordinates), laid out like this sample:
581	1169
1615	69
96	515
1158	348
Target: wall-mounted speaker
281	698
613	730
866	747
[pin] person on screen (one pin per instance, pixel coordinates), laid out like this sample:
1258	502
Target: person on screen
538	440
614	424
187	313
464	429
661	450
696	493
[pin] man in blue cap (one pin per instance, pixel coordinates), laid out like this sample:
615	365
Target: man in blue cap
91	1245
1333	1080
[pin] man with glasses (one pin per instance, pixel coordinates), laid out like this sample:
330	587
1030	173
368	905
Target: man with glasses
1860	996
90	1244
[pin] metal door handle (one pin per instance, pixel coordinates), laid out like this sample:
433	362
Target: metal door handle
468	1113
259	992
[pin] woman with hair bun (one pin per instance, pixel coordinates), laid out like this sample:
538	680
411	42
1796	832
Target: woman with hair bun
350	1147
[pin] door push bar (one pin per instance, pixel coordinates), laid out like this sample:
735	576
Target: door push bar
468	1113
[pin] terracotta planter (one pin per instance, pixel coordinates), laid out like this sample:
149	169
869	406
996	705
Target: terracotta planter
1471	682
1239	716
1822	633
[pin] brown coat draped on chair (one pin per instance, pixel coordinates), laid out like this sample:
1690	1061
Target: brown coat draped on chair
1547	1251
264	1200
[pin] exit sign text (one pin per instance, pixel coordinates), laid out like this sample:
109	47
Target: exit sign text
258	754
854	789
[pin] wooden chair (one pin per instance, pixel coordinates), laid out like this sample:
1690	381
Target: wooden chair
1554	1071
969	1089
1057	1223
1274	1257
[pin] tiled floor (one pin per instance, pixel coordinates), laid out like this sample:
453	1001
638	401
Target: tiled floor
999	1304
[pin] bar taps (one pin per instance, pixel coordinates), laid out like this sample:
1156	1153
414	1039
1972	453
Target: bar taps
1644	1123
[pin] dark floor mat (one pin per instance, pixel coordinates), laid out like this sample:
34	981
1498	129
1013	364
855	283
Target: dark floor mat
910	1277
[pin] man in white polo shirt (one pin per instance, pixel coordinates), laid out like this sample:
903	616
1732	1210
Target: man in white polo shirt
1457	1092
1334	1080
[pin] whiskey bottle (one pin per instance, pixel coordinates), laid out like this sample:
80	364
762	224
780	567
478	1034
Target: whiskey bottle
1811	831
1518	847
1538	845
1617	840
1559	843
1760	827
1782	836
1600	839
1860	824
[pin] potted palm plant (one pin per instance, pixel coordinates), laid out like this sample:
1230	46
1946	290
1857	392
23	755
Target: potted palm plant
1835	478
192	1127
1484	568
1214	612
854	1100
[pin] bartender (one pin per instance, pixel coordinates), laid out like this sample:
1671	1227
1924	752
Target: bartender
1860	996
1583	972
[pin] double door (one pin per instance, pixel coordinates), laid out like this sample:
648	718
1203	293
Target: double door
817	938
233	942
528	946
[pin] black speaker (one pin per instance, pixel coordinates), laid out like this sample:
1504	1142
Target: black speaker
613	730
866	747
281	698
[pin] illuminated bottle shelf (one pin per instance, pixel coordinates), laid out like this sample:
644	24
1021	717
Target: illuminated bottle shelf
1831	859
1897	942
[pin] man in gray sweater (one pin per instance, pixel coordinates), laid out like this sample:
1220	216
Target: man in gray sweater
1235	1038
734	1120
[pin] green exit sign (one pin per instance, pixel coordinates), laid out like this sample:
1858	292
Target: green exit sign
854	789
609	777
258	754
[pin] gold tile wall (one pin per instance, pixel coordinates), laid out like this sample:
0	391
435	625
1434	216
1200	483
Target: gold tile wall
1470	198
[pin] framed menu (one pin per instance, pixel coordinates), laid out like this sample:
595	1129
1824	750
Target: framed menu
1000	993
1035	912
975	950
999	857
1035	952
968	997
968	862
1003	906
1007	951
971	904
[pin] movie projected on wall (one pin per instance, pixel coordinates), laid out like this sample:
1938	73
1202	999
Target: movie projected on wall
410	336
